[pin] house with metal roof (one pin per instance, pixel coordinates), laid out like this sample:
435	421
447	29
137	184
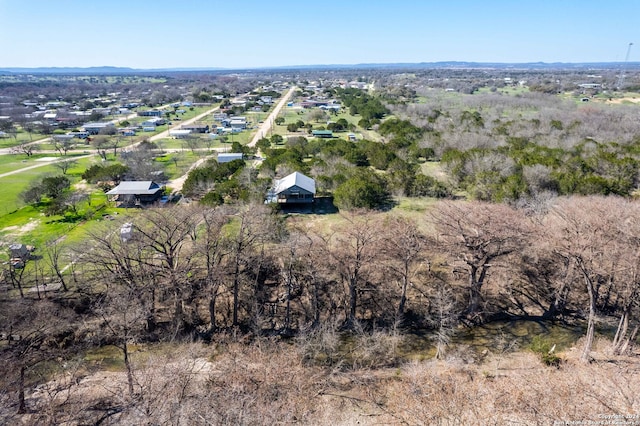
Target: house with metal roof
196	128
295	188
322	133
136	193
180	134
225	157
95	128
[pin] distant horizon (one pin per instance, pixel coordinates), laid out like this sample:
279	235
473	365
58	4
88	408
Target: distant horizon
426	65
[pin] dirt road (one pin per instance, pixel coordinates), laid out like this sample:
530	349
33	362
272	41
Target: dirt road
264	128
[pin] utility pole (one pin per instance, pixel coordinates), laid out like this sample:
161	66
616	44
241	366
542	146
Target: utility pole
624	66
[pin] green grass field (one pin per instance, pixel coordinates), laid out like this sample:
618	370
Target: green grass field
20	137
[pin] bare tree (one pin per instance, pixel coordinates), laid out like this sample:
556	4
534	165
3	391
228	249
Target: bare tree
213	249
101	144
479	236
628	277
404	248
62	146
123	318
109	259
253	226
55	254
352	248
167	235
34	328
26	148
65	165
586	236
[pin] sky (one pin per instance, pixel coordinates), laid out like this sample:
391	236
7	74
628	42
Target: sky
262	33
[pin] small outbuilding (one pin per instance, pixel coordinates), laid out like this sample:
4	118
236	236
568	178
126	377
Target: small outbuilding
295	188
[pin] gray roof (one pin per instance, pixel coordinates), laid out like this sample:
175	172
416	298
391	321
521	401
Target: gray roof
295	179
146	187
96	125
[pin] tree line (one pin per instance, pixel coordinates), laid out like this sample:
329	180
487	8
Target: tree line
194	272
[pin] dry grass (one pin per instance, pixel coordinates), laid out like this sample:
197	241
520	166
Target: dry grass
269	382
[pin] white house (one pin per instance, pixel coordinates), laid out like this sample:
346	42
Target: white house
180	134
295	188
95	128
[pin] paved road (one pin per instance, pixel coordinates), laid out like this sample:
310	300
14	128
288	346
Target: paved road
264	128
165	134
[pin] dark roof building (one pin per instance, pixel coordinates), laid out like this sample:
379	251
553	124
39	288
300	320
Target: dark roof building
322	134
136	193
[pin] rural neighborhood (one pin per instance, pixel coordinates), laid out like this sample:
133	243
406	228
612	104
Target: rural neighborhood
272	215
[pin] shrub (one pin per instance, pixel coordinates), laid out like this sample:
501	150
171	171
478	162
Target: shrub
543	348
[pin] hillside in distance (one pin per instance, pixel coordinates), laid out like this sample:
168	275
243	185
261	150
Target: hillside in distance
111	70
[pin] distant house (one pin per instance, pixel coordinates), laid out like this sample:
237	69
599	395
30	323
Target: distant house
152	122
136	193
196	128
225	157
79	135
150	113
295	188
67	121
50	116
180	134
322	134
63	138
238	124
95	128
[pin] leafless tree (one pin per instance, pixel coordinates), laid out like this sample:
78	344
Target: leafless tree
108	258
212	250
65	165
62	146
54	255
26	148
253	226
123	319
101	144
353	250
479	236
33	328
404	247
168	234
586	237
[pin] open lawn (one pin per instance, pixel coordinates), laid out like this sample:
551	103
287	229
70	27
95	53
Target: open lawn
20	137
9	163
11	186
293	114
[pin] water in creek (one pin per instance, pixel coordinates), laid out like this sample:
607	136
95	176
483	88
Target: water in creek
500	336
